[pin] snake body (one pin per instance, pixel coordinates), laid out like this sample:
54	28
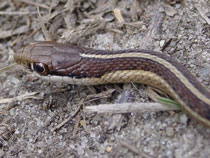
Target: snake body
85	66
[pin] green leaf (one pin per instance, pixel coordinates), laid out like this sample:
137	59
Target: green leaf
169	102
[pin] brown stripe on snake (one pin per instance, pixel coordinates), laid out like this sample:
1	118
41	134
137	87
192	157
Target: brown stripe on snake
89	66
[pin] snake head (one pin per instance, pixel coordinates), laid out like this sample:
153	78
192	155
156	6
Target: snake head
35	57
48	58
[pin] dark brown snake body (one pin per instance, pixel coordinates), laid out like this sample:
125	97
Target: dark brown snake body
85	66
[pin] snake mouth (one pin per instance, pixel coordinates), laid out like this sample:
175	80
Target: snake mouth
17	56
23	55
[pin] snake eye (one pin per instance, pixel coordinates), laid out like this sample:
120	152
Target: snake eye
40	68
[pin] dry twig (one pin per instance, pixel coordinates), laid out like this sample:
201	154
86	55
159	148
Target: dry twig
9	33
20	98
34	3
135	150
7	68
128	107
203	15
66	120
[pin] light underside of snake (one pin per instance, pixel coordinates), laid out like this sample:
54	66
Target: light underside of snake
85	66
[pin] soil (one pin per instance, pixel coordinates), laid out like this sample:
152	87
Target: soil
48	120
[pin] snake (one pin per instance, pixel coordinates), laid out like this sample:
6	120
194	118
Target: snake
63	62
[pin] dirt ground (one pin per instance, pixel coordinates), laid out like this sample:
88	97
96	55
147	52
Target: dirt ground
43	119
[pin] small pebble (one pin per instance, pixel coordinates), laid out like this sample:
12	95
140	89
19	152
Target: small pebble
162	42
169	131
183	119
109	149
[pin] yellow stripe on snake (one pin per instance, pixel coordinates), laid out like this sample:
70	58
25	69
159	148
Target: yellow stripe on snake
85	66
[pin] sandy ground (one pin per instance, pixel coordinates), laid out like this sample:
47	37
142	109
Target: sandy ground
50	120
